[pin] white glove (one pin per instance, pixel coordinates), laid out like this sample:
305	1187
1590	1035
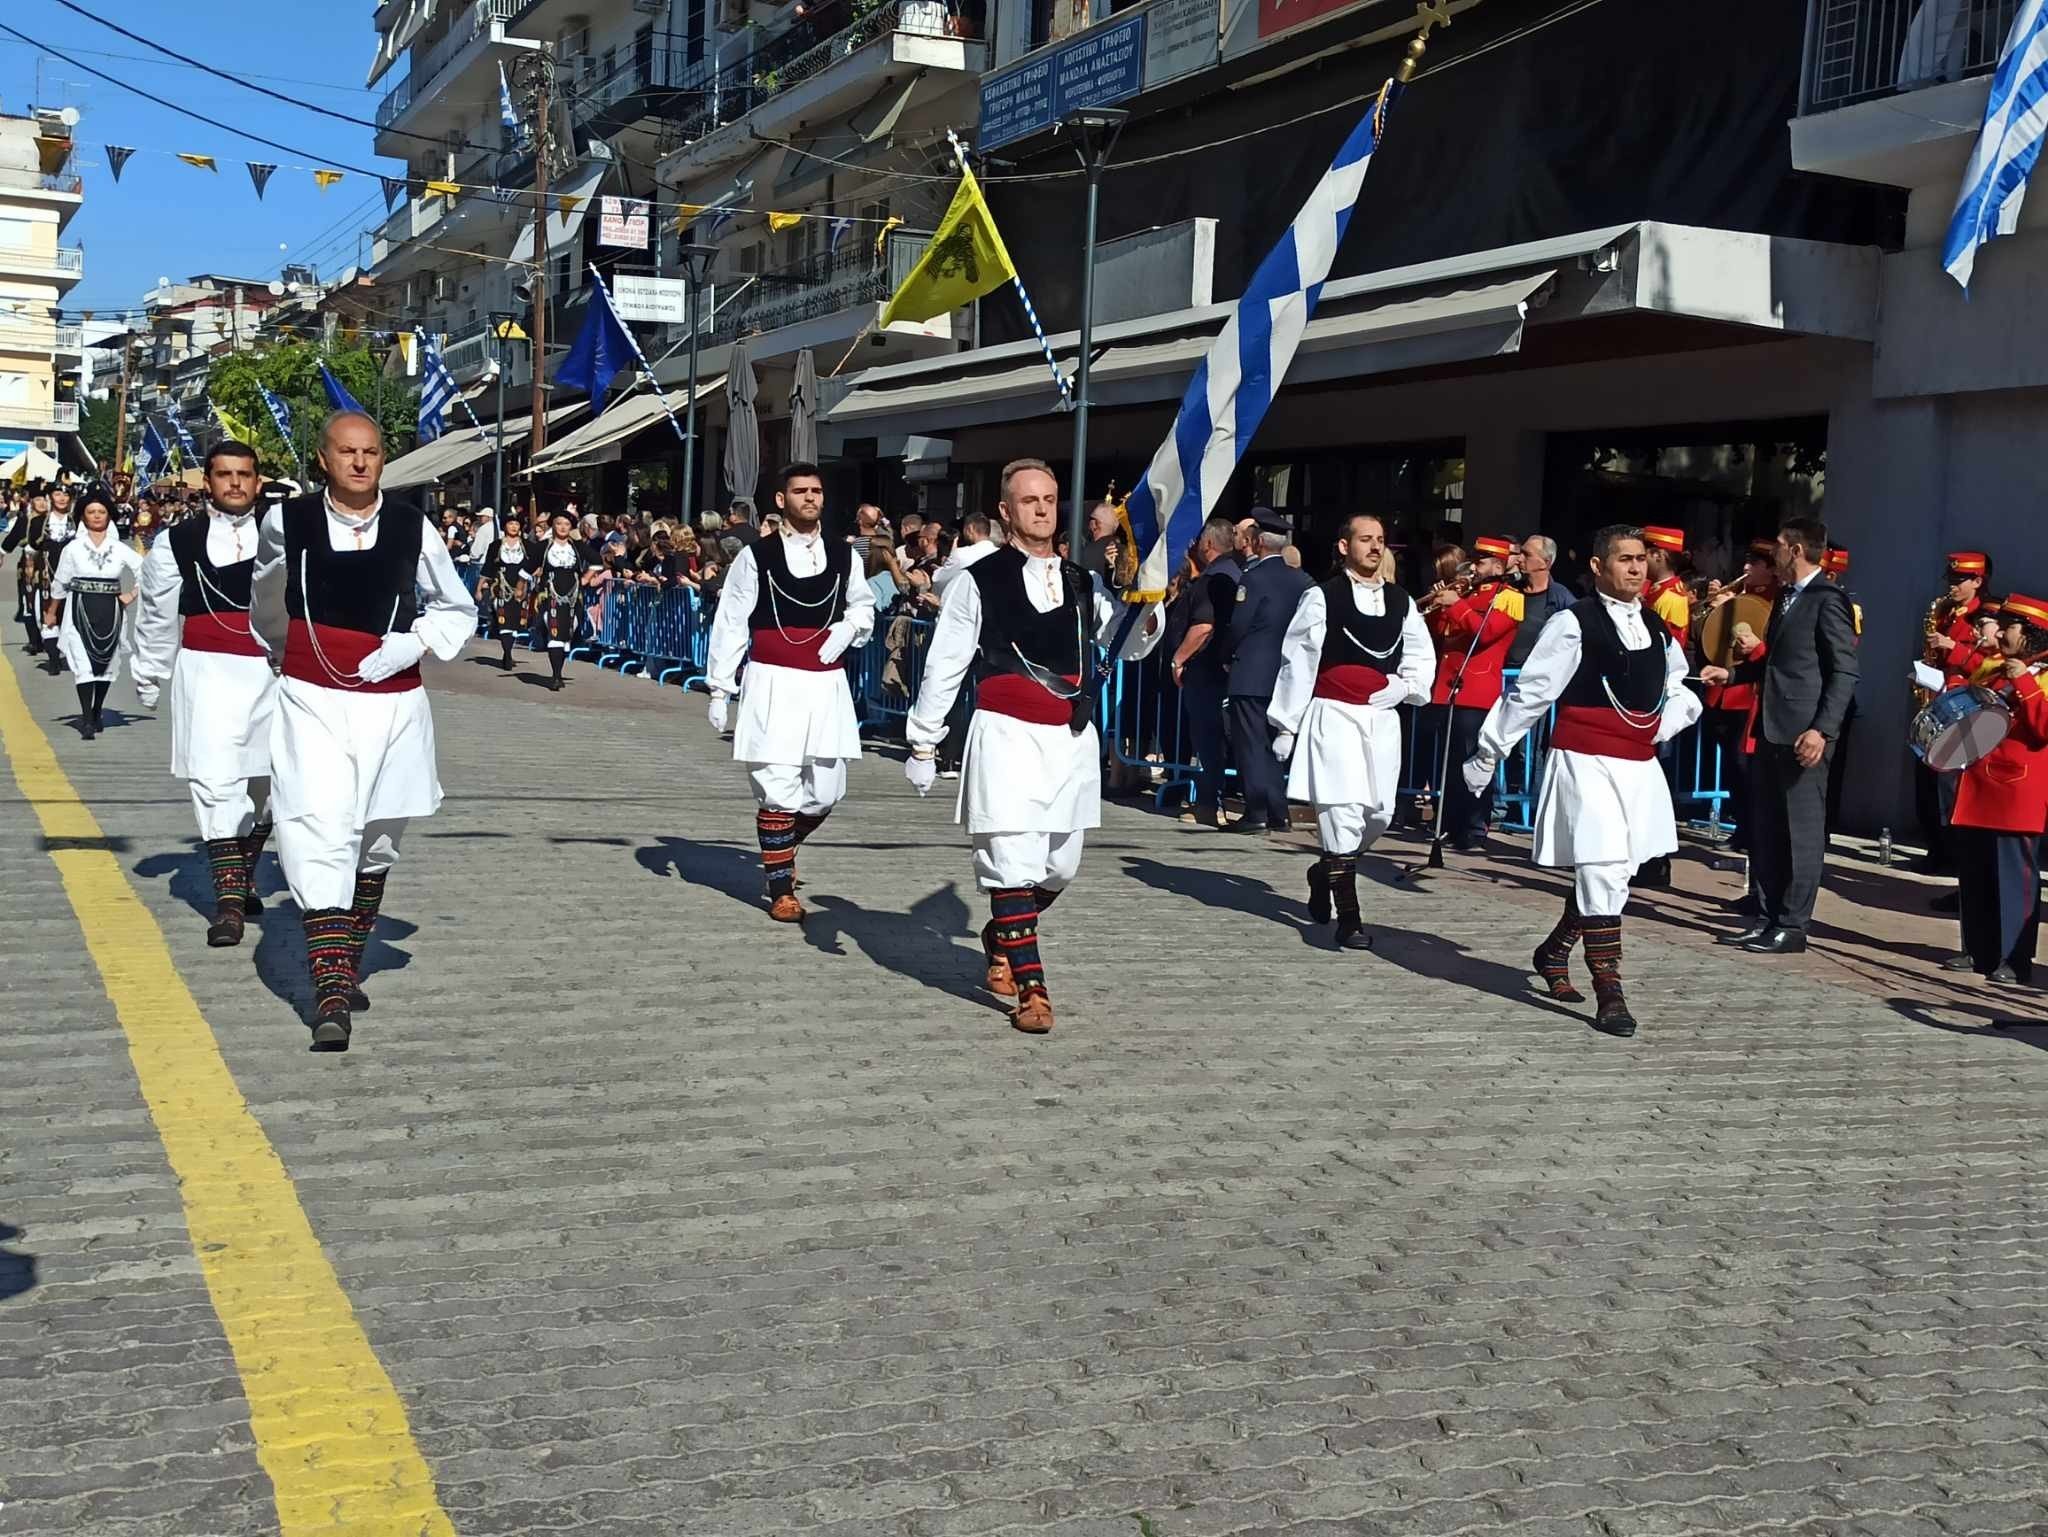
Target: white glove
1283	746
922	773
49	632
392	657
720	710
1479	772
145	694
837	639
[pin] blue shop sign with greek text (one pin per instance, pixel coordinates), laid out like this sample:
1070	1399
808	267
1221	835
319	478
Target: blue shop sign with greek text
1104	64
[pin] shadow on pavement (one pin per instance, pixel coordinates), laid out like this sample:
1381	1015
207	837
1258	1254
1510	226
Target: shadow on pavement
17	1270
2024	1020
920	945
732	868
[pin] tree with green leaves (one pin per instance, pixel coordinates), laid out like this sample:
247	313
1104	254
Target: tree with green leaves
97	422
291	371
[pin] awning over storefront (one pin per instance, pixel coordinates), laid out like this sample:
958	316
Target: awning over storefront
1464	310
458	450
600	441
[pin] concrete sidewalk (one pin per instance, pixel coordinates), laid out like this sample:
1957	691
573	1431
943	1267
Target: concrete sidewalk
662	1218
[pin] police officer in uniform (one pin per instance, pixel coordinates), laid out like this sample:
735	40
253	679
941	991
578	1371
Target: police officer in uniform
1267	595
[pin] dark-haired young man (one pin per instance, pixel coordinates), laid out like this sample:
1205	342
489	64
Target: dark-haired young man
192	630
792	605
1618	681
1806	672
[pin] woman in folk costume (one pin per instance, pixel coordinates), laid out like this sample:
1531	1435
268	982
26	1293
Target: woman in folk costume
505	584
93	586
1618	681
31	576
192	628
353	588
559	568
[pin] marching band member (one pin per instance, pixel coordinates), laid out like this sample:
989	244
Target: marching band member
2001	811
1665	596
559	569
1356	651
353	588
1475	620
1032	785
1730	705
92	587
192	628
1834	566
793	604
1618	682
1948	626
504	585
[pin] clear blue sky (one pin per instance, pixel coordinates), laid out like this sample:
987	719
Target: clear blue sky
165	218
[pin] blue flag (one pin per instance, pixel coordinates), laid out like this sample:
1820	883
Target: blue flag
337	394
185	439
279	413
603	350
155	451
2015	124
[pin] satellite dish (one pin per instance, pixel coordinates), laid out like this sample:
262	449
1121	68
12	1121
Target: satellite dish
68	117
163	282
277	288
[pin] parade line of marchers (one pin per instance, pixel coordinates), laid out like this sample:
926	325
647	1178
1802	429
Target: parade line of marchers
289	632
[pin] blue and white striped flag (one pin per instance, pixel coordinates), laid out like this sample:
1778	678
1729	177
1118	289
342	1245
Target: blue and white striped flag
185	439
1228	397
279	413
514	130
2015	122
156	453
437	389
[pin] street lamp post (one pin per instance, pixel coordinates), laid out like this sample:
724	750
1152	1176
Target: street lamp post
697	260
501	323
1093	131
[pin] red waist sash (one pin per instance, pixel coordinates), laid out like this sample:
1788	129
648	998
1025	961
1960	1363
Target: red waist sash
1600	730
344	651
1350	683
220	632
798	649
1022	698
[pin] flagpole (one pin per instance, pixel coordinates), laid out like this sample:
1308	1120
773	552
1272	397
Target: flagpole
1030	310
631	341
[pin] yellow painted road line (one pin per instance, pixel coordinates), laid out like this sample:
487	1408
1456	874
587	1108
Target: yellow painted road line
329	1427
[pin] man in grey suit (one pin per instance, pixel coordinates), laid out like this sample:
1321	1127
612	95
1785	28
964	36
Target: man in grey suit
1808	672
1267	595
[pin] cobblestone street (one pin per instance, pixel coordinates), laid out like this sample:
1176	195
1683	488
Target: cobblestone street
664	1219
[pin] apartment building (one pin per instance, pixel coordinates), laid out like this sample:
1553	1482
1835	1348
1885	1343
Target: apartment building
186	326
41	354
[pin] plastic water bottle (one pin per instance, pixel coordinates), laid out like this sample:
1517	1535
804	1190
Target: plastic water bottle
1884	846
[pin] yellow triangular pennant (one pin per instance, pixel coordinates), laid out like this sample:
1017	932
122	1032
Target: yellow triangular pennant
444	189
571	202
782	221
326	179
204	162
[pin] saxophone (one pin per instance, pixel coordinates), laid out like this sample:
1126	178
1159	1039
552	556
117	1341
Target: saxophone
1935	622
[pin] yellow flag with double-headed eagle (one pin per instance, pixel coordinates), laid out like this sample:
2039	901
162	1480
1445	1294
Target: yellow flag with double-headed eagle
965	260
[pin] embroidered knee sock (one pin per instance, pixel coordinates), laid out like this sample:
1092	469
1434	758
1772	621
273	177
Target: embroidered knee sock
363	914
230	872
1016	938
1341	870
331	954
1603	953
777	832
806	823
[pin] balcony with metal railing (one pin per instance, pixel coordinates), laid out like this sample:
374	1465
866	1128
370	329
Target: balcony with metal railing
482	24
1861	54
1858	50
800	64
63	263
63	183
41	416
38	334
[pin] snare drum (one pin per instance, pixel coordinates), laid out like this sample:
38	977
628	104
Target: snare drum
1958	727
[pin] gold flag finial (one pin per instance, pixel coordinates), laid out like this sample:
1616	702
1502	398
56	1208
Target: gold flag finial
1428	14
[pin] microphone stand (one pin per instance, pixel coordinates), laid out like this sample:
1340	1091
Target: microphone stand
1443	789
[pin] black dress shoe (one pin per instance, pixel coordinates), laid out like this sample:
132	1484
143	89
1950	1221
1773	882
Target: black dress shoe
1352	935
1960	961
2006	975
1748	936
1778	942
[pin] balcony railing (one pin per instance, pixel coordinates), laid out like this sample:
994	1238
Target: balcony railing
713	95
482	19
36	181
825	285
51	416
31	333
1857	50
65	259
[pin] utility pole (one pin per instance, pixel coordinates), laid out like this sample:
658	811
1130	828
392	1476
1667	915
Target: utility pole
121	414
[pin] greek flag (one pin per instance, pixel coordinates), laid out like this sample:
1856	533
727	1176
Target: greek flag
185	439
279	413
437	389
156	453
509	118
2015	122
1228	397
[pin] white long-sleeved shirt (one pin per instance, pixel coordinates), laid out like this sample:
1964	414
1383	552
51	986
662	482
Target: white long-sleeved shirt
230	539
1550	668
1301	654
807	555
956	636
447	616
963	556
